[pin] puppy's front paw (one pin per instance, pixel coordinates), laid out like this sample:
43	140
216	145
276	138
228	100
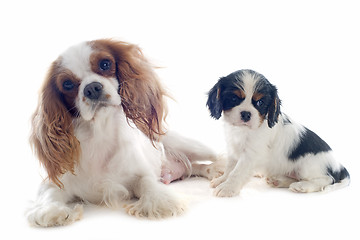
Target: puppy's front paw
217	181
155	207
226	190
53	215
213	171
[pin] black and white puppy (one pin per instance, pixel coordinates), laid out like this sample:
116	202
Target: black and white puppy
262	139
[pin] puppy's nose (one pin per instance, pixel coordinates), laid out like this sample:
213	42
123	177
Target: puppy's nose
93	90
245	116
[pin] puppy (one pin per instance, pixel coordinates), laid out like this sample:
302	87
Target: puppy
262	139
98	131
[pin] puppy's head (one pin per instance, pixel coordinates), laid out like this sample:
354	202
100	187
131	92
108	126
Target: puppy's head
246	99
85	79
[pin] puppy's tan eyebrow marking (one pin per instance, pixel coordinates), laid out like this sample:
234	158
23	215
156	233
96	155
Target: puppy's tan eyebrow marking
240	93
257	96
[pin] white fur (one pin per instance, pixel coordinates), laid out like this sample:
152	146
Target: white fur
254	147
118	162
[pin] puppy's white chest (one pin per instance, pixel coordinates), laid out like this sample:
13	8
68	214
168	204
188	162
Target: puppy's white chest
237	139
242	141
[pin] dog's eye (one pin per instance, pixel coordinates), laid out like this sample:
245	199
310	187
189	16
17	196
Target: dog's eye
234	98
105	64
68	85
230	101
259	103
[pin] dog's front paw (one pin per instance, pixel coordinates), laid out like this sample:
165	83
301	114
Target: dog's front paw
213	171
53	214
226	190
156	207
217	181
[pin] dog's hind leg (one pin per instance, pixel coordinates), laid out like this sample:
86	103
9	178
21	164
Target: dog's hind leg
311	185
280	181
188	157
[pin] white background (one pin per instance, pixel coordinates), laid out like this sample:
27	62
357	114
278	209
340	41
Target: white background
308	49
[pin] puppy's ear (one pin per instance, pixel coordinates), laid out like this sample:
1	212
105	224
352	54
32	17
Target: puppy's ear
142	95
213	103
52	137
274	108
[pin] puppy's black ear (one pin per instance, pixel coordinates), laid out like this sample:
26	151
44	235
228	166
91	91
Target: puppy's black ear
274	108
214	103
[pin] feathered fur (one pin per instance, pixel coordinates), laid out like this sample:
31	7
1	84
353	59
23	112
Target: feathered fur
98	131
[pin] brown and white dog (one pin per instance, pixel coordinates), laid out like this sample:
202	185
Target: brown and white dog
98	131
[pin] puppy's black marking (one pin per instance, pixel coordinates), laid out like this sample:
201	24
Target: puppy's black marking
310	142
338	175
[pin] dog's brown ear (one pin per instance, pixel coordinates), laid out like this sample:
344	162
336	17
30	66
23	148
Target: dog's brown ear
274	108
142	95
52	137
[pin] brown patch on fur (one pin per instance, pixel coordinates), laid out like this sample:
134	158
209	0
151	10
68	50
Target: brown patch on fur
262	117
218	93
66	96
140	90
52	136
240	93
95	60
276	102
257	96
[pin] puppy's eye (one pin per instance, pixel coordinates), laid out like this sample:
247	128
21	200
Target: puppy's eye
105	64
259	103
235	99
68	85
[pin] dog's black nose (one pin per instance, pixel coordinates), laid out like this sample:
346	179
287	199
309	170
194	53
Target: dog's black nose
93	90
245	116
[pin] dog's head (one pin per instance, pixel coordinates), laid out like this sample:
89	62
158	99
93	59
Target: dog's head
245	98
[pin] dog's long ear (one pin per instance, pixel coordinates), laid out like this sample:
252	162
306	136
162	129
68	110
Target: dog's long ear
213	103
52	137
142	95
274	108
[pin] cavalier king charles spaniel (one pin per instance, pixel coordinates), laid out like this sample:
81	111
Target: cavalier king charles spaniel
261	139
98	131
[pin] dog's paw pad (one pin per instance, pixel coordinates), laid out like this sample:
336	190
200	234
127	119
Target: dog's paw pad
224	190
301	187
54	215
273	182
217	181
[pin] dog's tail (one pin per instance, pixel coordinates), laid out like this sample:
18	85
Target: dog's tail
182	153
340	178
